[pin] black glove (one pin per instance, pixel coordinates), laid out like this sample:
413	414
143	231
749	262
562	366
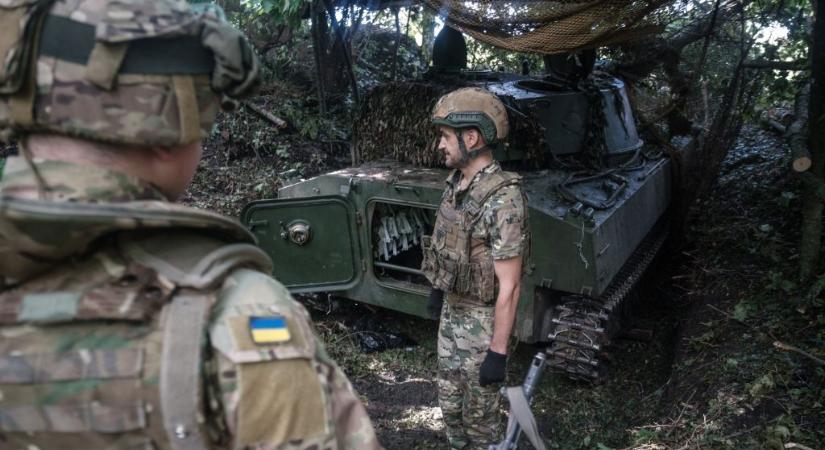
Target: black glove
435	303
492	369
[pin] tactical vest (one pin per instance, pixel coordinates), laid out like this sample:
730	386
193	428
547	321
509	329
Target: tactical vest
109	351
455	261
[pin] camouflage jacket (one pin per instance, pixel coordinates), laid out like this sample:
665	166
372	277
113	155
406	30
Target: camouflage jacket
474	226
130	322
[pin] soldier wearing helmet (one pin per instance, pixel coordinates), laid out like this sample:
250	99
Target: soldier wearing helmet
127	321
474	262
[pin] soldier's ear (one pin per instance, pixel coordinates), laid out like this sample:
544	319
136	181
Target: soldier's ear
474	139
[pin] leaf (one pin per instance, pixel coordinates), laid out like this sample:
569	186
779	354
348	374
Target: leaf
740	311
785	199
782	432
761	386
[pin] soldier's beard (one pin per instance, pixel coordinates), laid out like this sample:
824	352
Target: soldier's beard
455	163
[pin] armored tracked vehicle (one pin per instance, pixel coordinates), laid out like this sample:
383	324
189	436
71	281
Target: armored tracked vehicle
597	209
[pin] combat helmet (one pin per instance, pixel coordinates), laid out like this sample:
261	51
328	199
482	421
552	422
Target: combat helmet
473	107
125	72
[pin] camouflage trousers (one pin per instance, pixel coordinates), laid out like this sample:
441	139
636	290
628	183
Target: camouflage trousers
472	415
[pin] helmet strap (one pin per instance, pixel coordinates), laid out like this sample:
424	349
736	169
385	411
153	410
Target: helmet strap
467	155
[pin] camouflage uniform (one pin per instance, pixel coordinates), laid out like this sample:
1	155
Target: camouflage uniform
128	322
471	412
83	329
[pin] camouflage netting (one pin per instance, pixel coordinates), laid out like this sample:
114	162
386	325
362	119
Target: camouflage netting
549	27
394	123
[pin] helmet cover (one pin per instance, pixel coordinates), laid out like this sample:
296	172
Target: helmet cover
473	107
135	72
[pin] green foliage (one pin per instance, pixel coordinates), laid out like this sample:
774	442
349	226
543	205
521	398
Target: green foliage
741	311
706	339
769	21
645	436
282	12
484	56
778	282
761	386
376	50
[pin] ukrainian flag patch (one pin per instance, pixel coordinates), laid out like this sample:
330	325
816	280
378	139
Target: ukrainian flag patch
269	329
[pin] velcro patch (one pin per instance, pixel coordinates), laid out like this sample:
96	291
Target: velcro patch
268	329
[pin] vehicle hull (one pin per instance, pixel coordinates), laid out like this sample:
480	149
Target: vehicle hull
575	249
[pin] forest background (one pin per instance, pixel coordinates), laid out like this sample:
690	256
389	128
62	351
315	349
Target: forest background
732	90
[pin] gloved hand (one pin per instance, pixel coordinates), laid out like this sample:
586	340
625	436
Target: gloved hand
435	303
492	369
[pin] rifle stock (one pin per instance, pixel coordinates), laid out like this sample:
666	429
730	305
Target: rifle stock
521	418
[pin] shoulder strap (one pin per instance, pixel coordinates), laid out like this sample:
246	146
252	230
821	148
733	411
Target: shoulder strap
487	188
196	264
180	371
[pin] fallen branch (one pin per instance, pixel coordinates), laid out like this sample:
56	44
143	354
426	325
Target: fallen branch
275	120
790	348
799	446
773	125
800	64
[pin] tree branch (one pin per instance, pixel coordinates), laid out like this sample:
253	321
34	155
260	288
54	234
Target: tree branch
800	64
275	120
647	55
790	348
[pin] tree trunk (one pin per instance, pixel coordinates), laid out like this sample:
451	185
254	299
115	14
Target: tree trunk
427	35
394	75
318	49
796	134
812	206
341	52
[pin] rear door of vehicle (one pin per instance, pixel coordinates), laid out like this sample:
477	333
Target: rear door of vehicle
312	241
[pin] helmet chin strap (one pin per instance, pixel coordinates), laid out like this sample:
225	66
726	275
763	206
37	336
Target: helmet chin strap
466	156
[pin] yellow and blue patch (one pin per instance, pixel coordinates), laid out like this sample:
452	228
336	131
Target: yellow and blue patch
269	329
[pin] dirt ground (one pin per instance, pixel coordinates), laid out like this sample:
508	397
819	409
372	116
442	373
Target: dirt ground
716	302
399	390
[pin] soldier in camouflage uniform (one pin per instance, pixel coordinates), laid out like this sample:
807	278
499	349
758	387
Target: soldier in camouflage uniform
475	257
128	322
